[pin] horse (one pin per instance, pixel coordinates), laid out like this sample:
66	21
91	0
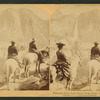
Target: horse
12	69
75	62
53	74
94	68
31	59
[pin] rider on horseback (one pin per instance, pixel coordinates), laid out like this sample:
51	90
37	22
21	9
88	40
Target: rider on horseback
95	52
62	62
33	49
13	53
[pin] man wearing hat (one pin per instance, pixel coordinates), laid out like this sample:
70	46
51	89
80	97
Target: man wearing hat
62	62
95	51
12	53
33	49
32	46
12	50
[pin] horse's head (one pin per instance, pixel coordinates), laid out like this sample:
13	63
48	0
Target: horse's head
45	52
21	52
21	48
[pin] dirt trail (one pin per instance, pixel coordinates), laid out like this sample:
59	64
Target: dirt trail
61	85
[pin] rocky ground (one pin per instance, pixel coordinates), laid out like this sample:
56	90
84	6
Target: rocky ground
77	86
36	81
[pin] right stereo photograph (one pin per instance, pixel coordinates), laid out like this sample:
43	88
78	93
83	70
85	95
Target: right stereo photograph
75	53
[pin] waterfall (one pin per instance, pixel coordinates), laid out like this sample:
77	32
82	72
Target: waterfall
75	36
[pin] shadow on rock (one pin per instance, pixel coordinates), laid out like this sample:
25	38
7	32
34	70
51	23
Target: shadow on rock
37	81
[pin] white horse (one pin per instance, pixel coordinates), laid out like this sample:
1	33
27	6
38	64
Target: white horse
53	73
30	59
12	69
75	62
94	68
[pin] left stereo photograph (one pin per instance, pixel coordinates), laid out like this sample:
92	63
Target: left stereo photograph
24	48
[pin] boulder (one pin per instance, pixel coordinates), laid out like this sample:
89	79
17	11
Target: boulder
30	83
37	81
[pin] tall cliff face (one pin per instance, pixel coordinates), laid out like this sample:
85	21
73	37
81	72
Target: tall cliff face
22	25
89	26
87	29
62	25
10	25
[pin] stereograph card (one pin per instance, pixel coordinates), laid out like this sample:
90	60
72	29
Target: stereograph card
50	50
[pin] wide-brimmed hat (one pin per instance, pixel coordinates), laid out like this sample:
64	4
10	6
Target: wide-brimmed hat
12	41
60	44
96	43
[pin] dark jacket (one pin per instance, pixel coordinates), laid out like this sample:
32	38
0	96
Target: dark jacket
61	56
32	47
95	51
62	64
12	50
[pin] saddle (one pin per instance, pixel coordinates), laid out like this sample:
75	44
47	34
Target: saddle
16	59
96	57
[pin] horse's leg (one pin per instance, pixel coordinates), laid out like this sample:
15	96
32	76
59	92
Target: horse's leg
89	78
90	81
39	67
73	77
93	77
69	84
25	73
54	77
97	77
28	72
36	66
14	76
8	84
70	81
9	77
19	75
7	80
